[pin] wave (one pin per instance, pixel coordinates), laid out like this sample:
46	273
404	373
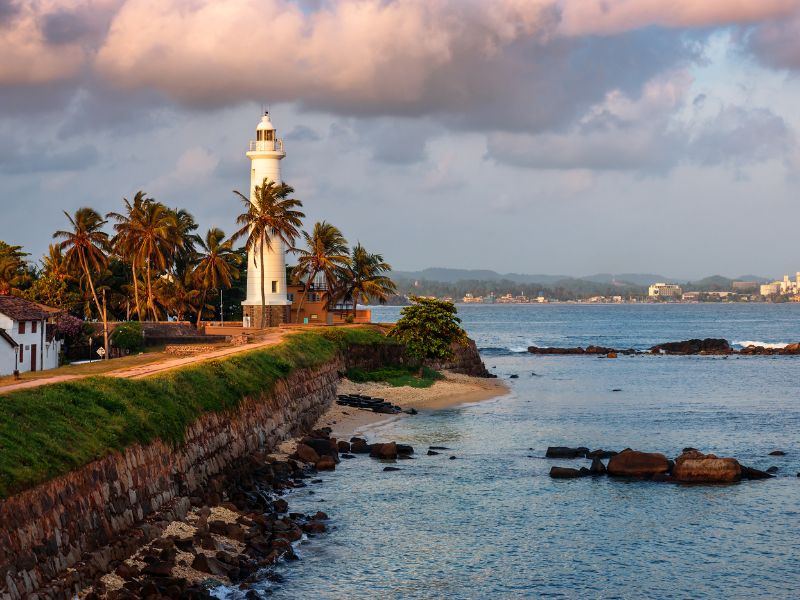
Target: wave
502	351
746	343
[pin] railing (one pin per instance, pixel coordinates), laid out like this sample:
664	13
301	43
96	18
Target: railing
266	145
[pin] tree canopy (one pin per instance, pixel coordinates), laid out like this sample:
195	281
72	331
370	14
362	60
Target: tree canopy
428	328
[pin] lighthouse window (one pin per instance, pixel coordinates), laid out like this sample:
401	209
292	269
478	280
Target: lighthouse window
270	135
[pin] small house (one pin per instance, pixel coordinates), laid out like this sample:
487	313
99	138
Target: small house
27	337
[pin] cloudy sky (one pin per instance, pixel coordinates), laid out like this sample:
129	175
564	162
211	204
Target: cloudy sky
538	136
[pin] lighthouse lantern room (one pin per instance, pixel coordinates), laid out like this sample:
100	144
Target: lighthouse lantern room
265	154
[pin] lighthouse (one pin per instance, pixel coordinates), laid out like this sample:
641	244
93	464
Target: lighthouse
265	154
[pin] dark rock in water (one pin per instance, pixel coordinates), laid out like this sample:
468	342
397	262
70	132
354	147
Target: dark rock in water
280	505
772	470
346	456
777	453
438	448
695	467
343	446
306	453
321	446
325	463
695	346
597	468
631	463
359	446
411	411
601	454
584	471
404	449
314	527
617	390
751	473
432	453
383	450
452	458
566	452
564	473
391	469
513	376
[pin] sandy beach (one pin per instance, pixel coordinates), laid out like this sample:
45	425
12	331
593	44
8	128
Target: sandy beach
453	390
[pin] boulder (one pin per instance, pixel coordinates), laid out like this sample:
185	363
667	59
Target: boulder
566	452
791	349
751	473
343	446
321	446
632	463
209	564
772	470
314	527
564	473
601	454
695	346
306	453
696	467
325	463
404	449
359	446
777	453
597	468
386	451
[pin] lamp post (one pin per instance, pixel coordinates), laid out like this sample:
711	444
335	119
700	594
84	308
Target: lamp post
221	308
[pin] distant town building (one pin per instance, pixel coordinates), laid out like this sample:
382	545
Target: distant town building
744	286
665	290
470	299
691	296
783	287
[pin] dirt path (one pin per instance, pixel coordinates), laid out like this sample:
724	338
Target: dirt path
140	371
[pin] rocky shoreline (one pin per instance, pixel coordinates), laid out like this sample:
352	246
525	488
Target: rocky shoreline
240	528
691	466
704	347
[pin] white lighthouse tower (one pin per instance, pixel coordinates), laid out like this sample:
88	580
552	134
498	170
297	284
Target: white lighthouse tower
265	154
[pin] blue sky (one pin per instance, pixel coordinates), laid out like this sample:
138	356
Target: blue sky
527	136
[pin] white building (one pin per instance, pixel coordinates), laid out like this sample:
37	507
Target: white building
27	343
265	154
785	286
665	290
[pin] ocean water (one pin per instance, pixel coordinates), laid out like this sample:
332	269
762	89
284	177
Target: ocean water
492	524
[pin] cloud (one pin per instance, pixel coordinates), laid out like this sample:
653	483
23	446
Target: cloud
777	43
586	17
653	133
17	158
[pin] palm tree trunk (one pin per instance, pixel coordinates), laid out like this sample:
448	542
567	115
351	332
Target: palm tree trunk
136	289
100	309
150	304
202	306
303	297
263	292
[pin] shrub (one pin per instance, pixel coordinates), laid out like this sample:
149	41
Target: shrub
428	328
128	336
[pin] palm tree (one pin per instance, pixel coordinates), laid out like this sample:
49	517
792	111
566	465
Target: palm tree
363	279
270	217
156	242
126	240
177	294
12	268
217	265
86	246
55	265
326	253
187	239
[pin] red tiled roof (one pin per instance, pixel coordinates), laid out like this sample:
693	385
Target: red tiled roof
20	309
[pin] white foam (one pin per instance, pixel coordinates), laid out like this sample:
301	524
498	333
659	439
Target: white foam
747	343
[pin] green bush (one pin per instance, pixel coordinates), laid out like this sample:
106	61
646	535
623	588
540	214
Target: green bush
428	328
128	336
396	376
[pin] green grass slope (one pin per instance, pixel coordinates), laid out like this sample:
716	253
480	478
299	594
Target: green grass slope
53	429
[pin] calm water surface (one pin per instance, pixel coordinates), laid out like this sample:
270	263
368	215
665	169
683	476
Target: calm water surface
493	524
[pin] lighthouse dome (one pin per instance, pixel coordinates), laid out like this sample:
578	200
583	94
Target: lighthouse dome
265	124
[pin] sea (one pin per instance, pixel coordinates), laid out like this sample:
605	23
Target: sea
491	523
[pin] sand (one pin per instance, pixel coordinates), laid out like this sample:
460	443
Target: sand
453	390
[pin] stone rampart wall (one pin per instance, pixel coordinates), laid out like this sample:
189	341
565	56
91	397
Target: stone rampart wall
59	535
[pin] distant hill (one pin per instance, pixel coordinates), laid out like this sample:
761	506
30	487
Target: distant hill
446	275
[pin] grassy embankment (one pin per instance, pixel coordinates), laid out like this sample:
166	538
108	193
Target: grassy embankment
53	429
396	376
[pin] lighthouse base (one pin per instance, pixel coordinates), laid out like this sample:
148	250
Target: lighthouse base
274	315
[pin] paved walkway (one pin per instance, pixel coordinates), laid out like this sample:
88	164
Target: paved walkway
140	371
